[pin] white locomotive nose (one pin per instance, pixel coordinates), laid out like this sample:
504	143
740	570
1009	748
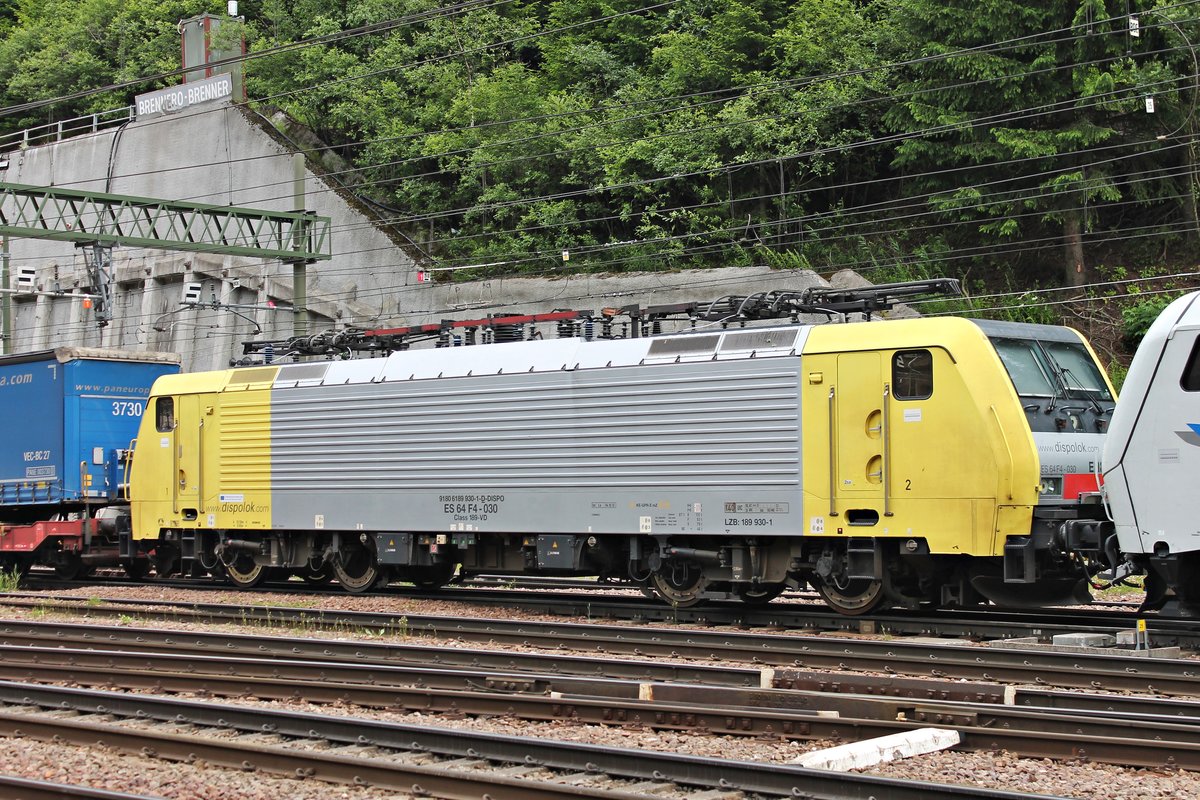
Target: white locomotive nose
1152	458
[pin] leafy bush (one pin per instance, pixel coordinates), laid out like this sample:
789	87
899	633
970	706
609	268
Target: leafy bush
1137	318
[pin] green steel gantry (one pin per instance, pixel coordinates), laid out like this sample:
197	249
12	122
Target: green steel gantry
103	220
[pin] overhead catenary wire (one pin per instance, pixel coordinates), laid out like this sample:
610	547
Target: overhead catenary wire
808	79
844	219
869	266
829	235
697	284
767	223
738	166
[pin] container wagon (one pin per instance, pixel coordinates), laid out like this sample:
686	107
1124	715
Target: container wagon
70	416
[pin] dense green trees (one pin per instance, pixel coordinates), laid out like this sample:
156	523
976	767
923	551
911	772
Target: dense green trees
56	48
1030	139
1008	139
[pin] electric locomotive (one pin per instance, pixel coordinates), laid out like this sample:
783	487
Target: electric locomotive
70	417
916	462
1152	460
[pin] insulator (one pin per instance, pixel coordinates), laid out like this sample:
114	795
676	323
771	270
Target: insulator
443	339
508	333
566	329
469	336
589	329
268	353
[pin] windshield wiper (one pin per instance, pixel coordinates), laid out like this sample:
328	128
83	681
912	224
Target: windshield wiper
1088	394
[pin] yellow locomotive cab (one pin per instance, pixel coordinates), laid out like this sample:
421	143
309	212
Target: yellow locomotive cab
203	456
872	425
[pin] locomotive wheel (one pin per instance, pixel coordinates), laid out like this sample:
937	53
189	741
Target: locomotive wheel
759	594
244	573
680	585
356	569
136	568
860	596
1156	592
434	576
316	577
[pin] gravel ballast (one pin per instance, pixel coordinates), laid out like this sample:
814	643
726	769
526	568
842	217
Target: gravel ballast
137	774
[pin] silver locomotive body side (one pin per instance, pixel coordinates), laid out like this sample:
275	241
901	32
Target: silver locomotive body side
543	446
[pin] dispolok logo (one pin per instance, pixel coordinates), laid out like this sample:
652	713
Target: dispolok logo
1192	435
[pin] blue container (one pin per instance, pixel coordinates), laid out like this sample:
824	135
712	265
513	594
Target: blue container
64	415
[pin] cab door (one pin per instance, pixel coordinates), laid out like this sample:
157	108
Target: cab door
859	435
186	446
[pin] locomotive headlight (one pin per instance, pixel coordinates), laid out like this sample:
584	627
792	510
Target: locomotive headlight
592	541
1051	485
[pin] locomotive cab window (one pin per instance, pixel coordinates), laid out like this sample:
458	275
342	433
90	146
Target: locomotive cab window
1080	374
912	375
164	414
1191	373
1025	368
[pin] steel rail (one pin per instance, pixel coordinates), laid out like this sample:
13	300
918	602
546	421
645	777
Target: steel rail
1047	668
427	657
52	644
985	623
975	623
1152	742
772	780
308	764
27	789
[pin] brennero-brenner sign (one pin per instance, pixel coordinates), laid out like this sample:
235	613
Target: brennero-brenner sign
178	98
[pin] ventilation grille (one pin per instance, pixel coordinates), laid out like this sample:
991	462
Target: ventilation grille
683	345
774	340
302	372
256	375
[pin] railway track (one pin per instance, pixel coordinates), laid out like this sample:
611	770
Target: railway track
719	699
1118	730
779	695
417	759
1175	677
560	597
59	644
26	789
